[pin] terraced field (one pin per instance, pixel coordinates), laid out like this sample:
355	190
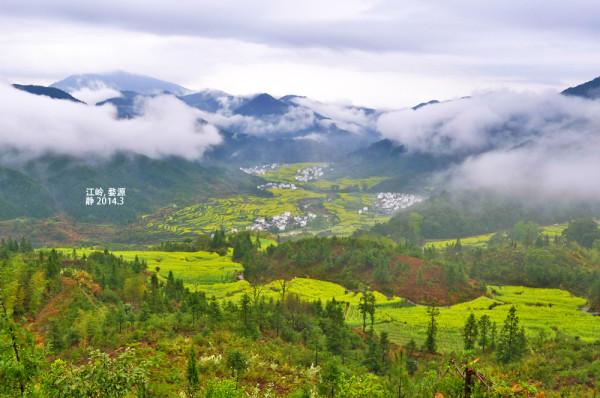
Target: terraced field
235	212
547	310
540	310
346	207
287	173
346	183
307	289
322	197
195	268
554	230
471	241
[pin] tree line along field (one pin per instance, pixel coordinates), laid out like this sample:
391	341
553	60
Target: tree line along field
543	312
195	268
482	240
559	312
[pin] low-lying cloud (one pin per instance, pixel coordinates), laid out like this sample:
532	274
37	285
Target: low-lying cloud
34	125
344	116
312	137
527	144
95	93
296	119
302	118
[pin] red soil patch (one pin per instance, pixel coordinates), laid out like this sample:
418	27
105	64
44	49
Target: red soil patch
432	286
50	310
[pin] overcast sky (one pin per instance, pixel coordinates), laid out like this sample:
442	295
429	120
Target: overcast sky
390	54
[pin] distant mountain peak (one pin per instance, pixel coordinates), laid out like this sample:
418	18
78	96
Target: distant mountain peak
263	105
51	92
213	101
120	81
589	89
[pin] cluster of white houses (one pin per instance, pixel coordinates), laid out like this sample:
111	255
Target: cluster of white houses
310	173
274	185
259	170
389	202
282	222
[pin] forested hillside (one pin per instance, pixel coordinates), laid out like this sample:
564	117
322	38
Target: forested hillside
55	184
458	214
149	330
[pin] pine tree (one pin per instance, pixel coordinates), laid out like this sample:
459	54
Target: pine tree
316	341
243	246
430	342
330	378
373	355
363	307
192	369
384	343
371	307
52	265
458	246
214	309
470	332
55	335
245	308
26	245
237	363
512	342
121	317
493	334
484	329
170	289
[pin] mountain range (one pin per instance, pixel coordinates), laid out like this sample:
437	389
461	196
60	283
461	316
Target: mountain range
589	89
259	128
51	92
256	129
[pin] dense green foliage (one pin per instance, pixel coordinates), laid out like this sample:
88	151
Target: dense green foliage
277	338
51	184
461	214
584	231
21	196
351	262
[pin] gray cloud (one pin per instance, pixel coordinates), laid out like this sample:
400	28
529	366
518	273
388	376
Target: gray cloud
300	118
296	119
548	168
357	24
530	144
33	125
344	116
375	52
